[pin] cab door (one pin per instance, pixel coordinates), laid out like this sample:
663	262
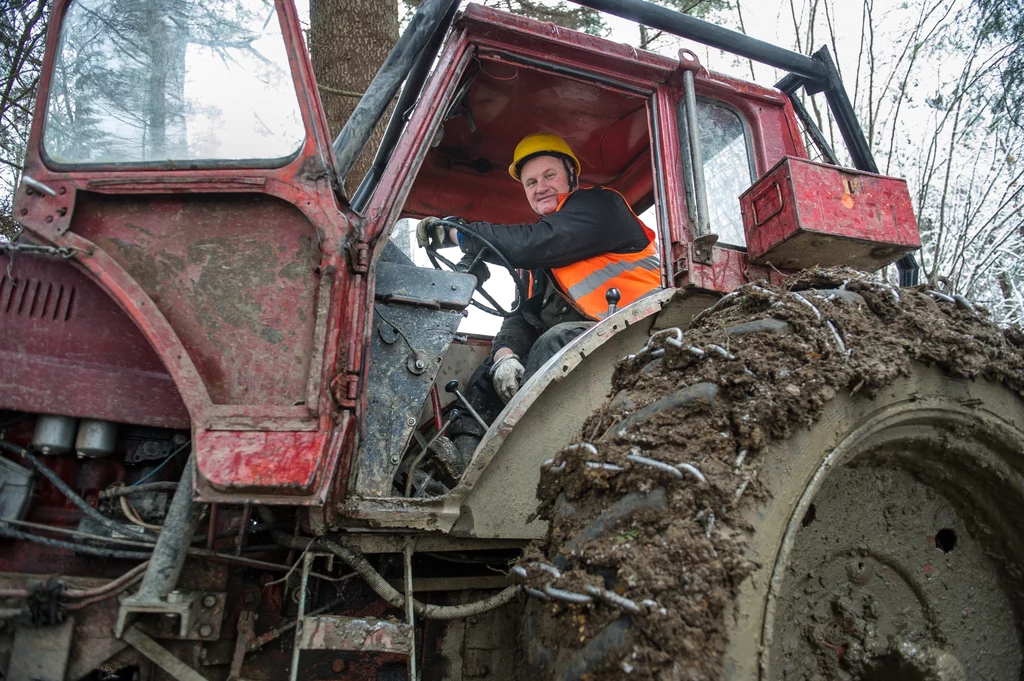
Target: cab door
180	150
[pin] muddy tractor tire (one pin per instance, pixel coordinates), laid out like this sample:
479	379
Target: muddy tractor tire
822	481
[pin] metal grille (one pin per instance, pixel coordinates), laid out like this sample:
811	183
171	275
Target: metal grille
727	168
35	299
727	177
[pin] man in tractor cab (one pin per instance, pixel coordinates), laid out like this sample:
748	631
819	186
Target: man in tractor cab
587	241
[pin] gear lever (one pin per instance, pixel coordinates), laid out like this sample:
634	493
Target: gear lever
612	296
452	387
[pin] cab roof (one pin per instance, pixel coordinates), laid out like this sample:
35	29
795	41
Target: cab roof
530	76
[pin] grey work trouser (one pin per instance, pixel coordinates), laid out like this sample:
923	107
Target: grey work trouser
480	391
550	342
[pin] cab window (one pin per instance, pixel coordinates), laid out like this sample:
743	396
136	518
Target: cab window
728	167
169	81
495	104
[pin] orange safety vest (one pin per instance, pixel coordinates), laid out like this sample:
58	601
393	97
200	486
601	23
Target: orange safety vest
585	283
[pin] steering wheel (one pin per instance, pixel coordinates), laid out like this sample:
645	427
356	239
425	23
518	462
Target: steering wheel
437	260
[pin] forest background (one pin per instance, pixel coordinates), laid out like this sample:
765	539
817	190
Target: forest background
938	86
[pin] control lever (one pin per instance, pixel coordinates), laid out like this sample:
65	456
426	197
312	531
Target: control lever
452	387
453	416
425	445
612	296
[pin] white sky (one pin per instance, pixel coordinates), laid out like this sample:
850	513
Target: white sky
224	125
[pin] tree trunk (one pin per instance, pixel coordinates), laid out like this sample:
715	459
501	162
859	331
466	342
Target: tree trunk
348	41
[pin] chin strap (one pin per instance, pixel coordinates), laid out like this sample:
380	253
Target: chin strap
570	169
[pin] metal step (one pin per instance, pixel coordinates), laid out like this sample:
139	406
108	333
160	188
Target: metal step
364	634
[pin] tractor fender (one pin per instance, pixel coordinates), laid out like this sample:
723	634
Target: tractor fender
498	492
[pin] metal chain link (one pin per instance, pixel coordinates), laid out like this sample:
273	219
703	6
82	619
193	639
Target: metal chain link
11	247
36	249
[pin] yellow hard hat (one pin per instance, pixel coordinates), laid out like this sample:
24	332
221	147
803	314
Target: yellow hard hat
539	143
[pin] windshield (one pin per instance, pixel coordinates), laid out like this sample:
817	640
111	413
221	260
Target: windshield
157	81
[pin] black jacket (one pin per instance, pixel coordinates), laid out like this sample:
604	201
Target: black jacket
591	222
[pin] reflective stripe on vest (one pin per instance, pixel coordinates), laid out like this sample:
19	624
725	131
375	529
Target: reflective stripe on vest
633	274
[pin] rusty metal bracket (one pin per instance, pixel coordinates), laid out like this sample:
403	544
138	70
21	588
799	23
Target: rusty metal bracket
177	604
703	248
206	617
200	615
243	643
689	61
160	656
680	267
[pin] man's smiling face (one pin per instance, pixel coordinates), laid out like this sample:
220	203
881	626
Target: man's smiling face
544	178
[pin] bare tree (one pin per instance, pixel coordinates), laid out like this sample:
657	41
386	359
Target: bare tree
649	39
1001	23
22	27
932	102
573	17
590	21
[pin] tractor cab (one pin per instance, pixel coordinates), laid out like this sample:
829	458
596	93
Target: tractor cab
625	113
209	278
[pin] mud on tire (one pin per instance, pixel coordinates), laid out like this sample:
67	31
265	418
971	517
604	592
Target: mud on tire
816	481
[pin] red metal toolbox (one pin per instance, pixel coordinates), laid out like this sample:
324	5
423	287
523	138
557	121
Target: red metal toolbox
803	213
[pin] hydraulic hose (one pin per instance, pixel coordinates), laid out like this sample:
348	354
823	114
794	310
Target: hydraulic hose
113	587
80	598
132	531
193	551
395	598
138	489
86	597
105	591
71	546
78	501
376	582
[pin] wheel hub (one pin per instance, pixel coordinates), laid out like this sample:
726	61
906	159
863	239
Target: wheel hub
887	580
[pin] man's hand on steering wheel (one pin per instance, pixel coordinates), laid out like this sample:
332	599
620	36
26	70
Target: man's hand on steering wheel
471	264
434	233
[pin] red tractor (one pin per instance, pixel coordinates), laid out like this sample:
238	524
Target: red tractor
222	382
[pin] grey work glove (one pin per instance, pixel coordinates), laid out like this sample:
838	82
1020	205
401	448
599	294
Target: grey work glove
480	271
506	374
431	232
